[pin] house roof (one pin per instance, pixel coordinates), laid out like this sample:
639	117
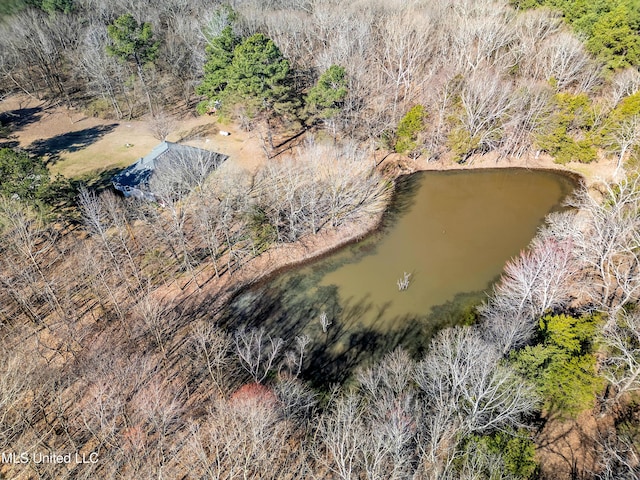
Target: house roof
138	174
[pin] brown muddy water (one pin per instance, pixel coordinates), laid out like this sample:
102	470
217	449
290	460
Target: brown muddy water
451	231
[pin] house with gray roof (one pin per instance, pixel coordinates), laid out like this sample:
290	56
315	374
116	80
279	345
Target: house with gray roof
183	164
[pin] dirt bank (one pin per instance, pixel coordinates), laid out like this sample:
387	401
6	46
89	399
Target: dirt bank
596	172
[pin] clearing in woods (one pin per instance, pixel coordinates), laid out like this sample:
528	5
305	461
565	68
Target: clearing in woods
76	145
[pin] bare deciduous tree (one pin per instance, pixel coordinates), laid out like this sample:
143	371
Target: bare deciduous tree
403	38
105	76
464	374
103	412
618	456
172	194
563	59
486	101
213	348
621	366
608	240
161	125
469	390
157	411
16	376
325	185
624	83
340	432
538	280
98	221
388	448
624	137
297	400
28	243
246	437
155	318
294	359
531	106
101	284
481	31
257	352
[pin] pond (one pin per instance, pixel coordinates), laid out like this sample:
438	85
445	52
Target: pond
452	232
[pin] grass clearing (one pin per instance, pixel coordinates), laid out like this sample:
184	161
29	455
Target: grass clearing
77	146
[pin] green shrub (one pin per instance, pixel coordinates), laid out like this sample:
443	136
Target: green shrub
517	449
409	128
562	364
263	232
326	97
511	452
567	134
22	176
462	144
100	108
9	7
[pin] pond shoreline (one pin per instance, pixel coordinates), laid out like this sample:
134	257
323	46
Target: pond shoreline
310	249
588	174
339	238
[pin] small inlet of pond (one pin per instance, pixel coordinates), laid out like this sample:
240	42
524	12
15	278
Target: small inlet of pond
452	232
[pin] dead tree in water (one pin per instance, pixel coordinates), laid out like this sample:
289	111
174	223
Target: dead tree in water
403	283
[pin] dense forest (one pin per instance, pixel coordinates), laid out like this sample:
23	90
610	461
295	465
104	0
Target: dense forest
486	77
104	353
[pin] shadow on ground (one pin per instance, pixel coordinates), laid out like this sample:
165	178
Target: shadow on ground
17	119
97	181
51	148
9	144
197	132
63	192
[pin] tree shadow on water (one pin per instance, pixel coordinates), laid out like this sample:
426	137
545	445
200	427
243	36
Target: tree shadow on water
359	334
461	310
51	148
352	344
406	189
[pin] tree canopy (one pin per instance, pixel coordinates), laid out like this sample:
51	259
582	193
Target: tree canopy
8	7
257	75
566	136
326	96
52	6
562	363
132	40
216	70
408	128
22	176
612	27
